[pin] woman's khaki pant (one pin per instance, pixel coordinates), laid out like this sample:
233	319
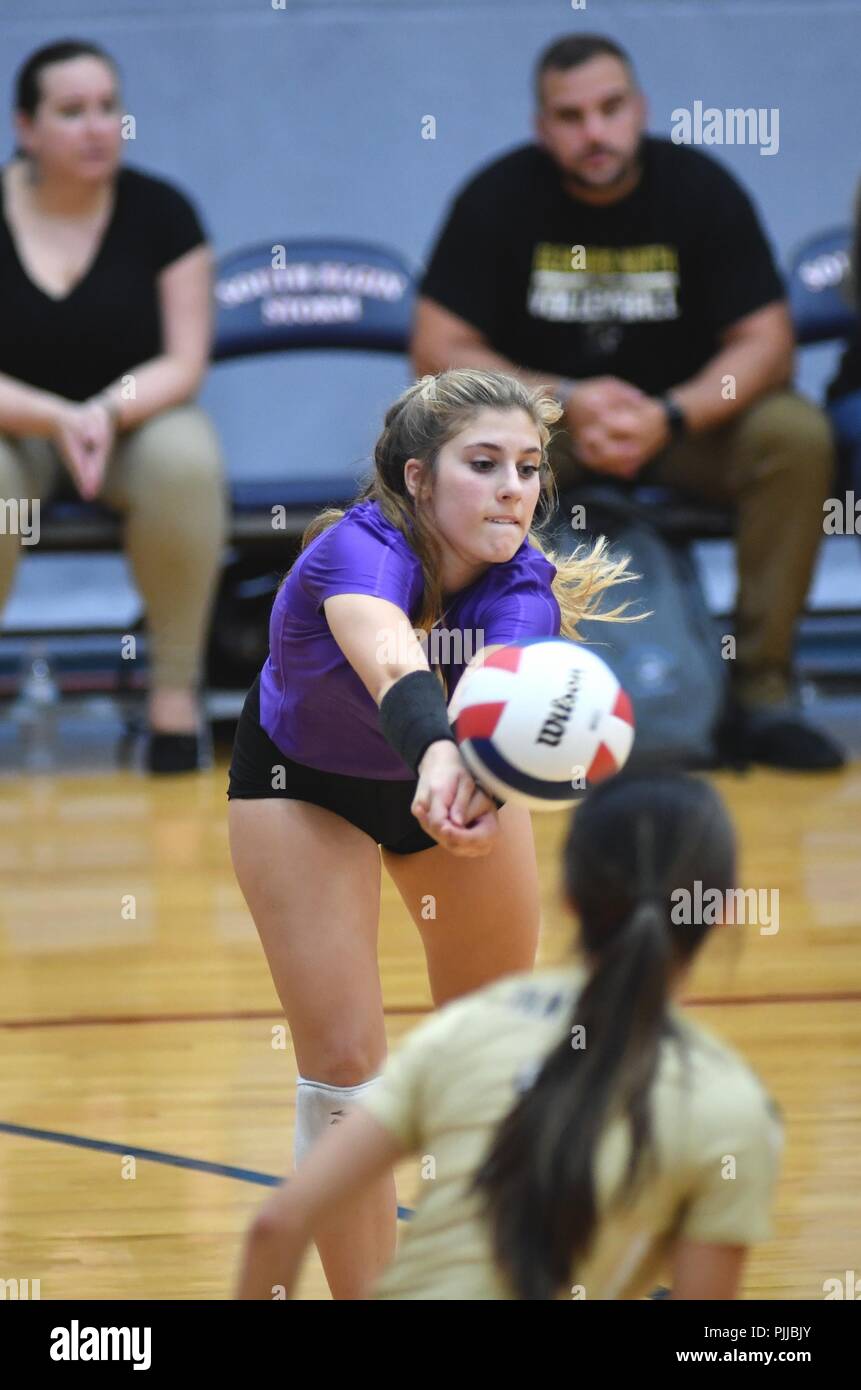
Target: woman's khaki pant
166	477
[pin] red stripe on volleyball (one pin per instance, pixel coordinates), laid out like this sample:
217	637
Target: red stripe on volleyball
623	708
479	721
507	658
603	764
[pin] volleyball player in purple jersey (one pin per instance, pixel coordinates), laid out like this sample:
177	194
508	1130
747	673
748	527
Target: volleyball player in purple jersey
344	750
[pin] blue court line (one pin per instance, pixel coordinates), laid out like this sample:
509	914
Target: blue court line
199	1165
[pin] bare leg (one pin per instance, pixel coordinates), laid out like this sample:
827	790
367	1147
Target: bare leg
486	910
312	884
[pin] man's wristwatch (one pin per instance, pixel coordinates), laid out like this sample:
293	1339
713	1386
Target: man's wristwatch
675	418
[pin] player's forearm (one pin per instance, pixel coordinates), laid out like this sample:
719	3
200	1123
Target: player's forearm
438	754
25	410
417	661
733	379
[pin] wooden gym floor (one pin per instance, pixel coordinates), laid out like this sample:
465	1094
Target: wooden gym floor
150	1037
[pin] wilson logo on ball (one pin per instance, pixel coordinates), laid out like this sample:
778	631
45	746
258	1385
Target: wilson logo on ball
554	726
526	747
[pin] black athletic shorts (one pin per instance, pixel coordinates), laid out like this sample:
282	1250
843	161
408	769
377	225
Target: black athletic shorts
380	808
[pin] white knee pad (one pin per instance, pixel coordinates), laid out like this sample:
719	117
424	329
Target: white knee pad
319	1105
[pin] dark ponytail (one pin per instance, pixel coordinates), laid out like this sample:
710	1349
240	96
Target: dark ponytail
633	842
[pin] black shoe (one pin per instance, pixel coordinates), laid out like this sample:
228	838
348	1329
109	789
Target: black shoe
173	753
777	737
729	741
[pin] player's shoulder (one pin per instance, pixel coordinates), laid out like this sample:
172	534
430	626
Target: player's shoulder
726	1088
370	520
537	993
523	1007
524	994
362	544
362	523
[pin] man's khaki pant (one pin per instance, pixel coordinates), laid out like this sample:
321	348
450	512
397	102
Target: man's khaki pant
774	464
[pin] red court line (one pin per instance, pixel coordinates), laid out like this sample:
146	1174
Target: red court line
250	1015
847	996
230	1016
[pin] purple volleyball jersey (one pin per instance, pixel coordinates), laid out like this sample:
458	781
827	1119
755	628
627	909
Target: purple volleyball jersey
312	703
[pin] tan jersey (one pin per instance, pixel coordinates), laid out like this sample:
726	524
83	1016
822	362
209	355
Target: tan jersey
717	1143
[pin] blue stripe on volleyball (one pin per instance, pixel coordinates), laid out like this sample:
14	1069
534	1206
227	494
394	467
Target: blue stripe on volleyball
520	781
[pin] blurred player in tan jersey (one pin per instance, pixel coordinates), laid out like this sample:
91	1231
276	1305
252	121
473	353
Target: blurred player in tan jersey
576	1134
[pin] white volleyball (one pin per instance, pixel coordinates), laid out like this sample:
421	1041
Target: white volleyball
539	720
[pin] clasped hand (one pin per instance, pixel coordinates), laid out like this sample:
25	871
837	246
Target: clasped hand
616	427
450	807
84	435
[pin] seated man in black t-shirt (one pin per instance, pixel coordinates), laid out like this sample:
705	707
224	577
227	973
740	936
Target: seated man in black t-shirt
631	276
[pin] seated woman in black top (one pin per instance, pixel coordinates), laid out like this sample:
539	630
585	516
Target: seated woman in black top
105	283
